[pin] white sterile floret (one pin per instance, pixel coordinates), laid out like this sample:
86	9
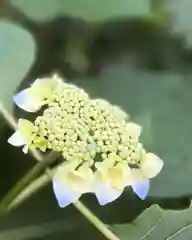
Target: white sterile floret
70	183
37	95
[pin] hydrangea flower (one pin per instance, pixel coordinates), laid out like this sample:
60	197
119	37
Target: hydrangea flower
112	176
99	144
70	183
26	136
38	94
150	166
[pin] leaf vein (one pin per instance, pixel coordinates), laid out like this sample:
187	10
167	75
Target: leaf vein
179	231
153	227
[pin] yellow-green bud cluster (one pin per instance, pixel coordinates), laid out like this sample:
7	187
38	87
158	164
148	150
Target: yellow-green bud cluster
87	130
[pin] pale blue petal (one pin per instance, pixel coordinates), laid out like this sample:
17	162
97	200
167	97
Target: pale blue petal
25	149
64	195
24	101
21	98
141	189
17	140
105	193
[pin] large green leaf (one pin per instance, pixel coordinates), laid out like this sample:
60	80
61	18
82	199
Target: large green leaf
90	10
17	52
157	224
181	17
161	103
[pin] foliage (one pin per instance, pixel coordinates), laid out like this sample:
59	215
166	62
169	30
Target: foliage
17	55
155	223
85	9
181	18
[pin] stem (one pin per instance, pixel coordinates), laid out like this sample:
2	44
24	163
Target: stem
8	117
33	173
29	191
27	179
95	221
41	182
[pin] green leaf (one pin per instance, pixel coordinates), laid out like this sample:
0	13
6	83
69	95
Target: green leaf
161	103
17	52
157	224
90	10
180	12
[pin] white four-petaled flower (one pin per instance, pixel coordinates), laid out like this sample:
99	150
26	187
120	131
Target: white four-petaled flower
37	95
150	166
70	183
23	135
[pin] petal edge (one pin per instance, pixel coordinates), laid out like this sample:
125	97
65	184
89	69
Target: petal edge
64	195
141	189
151	165
24	101
106	194
17	140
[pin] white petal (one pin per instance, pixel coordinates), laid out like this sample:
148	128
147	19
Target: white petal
105	193
64	195
133	129
135	176
151	165
57	78
120	113
25	149
26	102
64	169
17	140
141	188
88	179
53	81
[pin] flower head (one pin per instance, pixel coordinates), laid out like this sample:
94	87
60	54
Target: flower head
100	146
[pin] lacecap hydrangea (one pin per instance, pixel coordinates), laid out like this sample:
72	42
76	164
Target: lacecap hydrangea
99	144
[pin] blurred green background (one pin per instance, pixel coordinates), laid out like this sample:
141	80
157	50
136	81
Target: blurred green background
135	53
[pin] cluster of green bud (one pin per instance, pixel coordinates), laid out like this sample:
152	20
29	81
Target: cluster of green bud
88	130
